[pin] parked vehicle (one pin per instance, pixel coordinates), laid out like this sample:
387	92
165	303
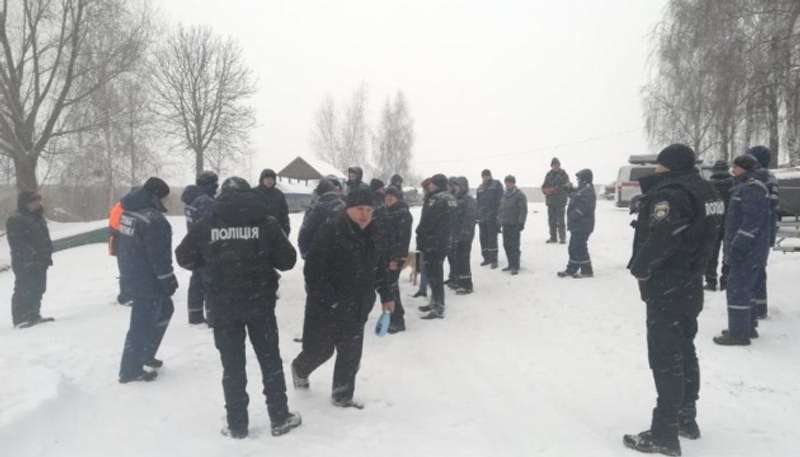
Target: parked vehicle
627	186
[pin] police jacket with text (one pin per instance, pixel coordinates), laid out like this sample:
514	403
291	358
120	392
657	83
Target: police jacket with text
239	248
678	222
749	219
144	248
342	272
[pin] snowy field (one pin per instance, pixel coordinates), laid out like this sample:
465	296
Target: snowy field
527	366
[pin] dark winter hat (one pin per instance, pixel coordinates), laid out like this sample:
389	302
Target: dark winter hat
395	192
721	165
762	154
324	186
747	162
463	184
376	185
25	197
235	184
511	178
486	172
157	187
396	181
677	157
356	171
207	178
555	161
585	175
440	181
267	173
359	197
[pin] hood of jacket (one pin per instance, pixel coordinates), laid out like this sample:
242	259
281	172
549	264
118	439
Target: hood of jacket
240	207
142	199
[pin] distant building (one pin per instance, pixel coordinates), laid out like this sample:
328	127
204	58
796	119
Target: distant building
300	177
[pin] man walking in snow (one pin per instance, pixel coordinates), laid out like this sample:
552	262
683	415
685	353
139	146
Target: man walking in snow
489	195
239	247
343	271
513	214
31	256
198	200
580	223
747	237
556	189
679	216
275	200
145	257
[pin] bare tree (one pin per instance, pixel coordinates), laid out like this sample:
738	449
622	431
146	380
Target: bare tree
395	139
354	131
46	71
324	137
202	84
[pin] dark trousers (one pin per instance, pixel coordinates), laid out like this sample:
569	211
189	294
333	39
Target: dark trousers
197	298
451	264
434	268
740	293
463	269
676	372
322	334
713	261
399	313
555	217
229	338
579	253
423	278
149	320
511	245
488	237
29	287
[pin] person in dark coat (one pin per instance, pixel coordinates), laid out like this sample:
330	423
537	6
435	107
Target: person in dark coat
580	223
240	246
434	237
451	282
277	206
398	222
378	189
678	220
396	181
463	236
512	217
145	255
342	273
355	179
489	195
198	201
722	180
31	256
556	188
764	155
329	203
747	236
423	275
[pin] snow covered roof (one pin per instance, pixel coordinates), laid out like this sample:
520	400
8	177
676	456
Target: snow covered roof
309	168
296	186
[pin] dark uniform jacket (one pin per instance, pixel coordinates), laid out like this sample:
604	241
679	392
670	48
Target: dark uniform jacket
678	222
198	202
239	247
342	272
556	187
327	206
748	222
467	215
514	208
488	197
398	221
277	206
580	211
29	240
435	229
145	247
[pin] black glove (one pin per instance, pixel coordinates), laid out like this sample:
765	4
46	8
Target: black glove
170	285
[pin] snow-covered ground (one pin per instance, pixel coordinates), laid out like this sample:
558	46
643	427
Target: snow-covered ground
531	365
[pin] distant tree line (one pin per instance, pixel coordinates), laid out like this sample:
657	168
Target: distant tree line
725	76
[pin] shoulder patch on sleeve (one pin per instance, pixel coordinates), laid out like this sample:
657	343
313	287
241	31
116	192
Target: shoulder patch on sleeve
661	210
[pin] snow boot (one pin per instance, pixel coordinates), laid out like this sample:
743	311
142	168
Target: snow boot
508	268
397	327
347	403
689	429
420	294
514	271
434	314
566	274
726	339
293	420
299	383
753	334
494	265
426	308
646	443
464	291
551	241
145	376
486	262
233	433
154	363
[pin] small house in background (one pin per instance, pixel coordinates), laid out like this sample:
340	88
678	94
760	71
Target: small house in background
300	177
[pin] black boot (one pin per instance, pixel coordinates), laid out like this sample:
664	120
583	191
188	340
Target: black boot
397	327
145	376
154	363
426	308
687	425
726	339
293	420
486	262
753	334
646	443
420	293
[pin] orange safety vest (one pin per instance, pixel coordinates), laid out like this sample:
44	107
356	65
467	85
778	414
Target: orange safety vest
114	217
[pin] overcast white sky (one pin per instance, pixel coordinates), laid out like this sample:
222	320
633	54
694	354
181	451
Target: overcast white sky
491	84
